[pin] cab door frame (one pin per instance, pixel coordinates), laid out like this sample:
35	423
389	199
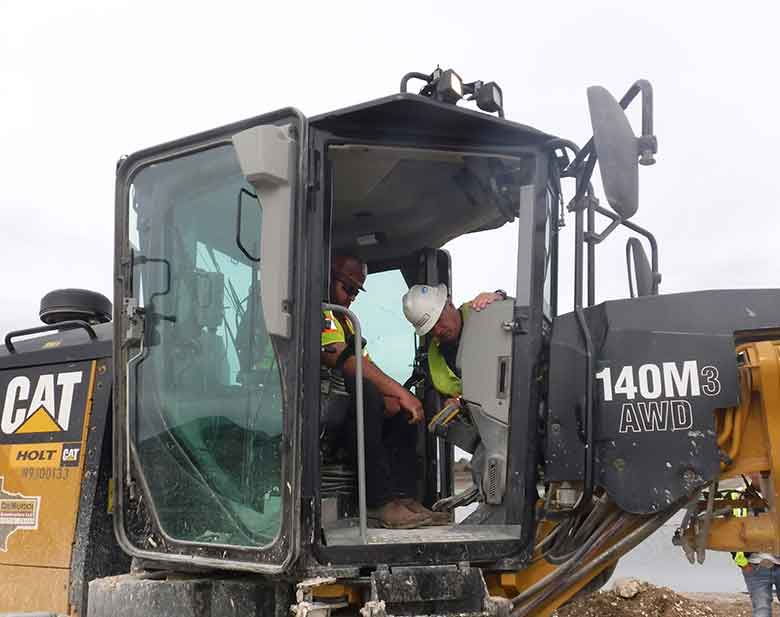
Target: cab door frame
521	467
278	556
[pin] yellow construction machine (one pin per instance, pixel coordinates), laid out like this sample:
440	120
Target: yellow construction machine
171	462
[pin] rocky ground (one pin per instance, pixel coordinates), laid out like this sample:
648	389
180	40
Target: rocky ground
632	598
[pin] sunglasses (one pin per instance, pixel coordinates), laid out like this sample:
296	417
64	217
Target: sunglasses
349	288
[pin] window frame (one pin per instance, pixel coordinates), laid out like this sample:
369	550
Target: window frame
320	237
282	552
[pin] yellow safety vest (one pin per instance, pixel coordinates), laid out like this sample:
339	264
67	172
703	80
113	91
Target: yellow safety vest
739	557
333	331
444	379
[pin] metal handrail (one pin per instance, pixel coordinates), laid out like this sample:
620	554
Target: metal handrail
73	324
361	437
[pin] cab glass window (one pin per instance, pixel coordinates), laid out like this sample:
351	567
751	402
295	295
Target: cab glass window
389	336
206	405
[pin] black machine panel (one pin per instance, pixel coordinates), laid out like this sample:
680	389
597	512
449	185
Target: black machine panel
662	364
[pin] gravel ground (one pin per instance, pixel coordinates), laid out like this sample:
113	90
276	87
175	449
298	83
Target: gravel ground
652	601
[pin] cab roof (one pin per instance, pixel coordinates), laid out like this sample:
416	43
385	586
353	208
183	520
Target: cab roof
415	115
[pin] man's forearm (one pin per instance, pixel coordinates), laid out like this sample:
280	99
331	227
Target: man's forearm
386	385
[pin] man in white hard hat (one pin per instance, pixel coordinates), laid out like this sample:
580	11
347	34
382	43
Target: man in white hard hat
390	435
430	310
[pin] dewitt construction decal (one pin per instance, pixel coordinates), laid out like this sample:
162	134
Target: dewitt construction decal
17	512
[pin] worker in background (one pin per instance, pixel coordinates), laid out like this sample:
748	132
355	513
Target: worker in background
390	410
430	310
761	571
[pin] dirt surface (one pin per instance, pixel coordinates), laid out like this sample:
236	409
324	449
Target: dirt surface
654	601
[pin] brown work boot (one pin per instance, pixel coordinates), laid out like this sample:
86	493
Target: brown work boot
395	515
437	518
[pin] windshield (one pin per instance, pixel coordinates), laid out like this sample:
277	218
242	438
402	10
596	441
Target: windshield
206	406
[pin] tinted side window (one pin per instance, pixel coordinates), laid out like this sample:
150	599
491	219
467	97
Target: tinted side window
206	411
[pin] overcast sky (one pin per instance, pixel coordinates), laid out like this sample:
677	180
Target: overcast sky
82	83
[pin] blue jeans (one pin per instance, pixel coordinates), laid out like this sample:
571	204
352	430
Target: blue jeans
759	583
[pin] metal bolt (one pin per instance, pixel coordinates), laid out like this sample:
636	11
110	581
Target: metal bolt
555	428
646	158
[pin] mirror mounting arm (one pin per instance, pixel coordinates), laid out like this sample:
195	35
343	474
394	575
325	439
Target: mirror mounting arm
647	143
653	251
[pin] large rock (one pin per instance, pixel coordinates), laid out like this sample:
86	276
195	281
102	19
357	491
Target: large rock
626	587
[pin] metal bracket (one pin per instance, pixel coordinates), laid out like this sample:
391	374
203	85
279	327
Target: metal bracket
135	317
516	326
647	145
374	608
704	530
583	203
680	538
306	606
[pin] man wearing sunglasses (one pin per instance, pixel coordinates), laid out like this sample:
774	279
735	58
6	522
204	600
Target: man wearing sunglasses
390	435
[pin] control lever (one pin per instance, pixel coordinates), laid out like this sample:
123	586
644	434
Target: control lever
464	498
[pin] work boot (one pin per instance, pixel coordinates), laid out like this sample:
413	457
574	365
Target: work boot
395	515
437	518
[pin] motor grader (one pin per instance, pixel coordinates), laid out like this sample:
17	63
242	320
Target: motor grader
172	461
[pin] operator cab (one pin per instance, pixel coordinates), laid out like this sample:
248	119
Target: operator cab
222	269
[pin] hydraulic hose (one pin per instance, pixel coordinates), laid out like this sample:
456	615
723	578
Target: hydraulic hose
620	548
566	579
605	531
585	529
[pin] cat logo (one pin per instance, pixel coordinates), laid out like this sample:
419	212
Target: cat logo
17	512
70	454
43	405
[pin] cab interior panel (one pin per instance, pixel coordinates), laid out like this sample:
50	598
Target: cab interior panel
391	202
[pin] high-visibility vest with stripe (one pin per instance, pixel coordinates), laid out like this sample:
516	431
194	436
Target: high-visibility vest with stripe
446	382
333	331
739	557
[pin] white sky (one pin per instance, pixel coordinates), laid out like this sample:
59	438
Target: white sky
82	83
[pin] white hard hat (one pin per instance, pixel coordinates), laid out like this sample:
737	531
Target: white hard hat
423	305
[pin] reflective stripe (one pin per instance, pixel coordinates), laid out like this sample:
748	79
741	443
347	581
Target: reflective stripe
444	379
739	557
737	512
333	331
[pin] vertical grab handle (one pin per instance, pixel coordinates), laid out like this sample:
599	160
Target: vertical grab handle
361	437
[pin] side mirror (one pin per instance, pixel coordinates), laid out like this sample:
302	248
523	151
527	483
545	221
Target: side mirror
267	157
646	284
617	151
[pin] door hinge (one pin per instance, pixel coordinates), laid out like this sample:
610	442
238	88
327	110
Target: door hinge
135	322
313	185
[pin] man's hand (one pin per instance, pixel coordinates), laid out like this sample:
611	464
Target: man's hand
485	299
412	406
